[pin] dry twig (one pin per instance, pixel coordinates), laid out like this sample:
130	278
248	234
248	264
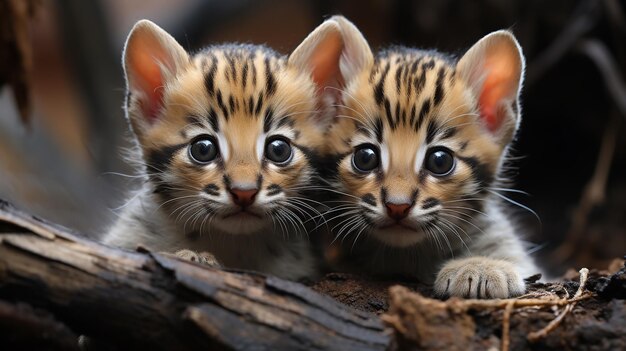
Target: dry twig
506	325
535	336
510	304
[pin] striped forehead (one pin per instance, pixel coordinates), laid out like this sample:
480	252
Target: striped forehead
408	88
239	79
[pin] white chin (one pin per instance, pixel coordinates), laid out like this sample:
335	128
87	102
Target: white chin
241	224
398	236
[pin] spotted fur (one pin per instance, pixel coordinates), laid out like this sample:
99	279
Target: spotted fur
406	103
241	96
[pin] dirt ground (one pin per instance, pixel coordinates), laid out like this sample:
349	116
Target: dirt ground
555	315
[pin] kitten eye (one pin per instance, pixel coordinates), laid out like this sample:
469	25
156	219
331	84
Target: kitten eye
440	162
365	158
278	150
203	150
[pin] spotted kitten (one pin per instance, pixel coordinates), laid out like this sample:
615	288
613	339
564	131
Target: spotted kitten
419	145
225	138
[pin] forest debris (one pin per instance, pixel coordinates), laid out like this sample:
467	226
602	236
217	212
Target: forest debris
432	324
506	325
426	323
535	336
153	300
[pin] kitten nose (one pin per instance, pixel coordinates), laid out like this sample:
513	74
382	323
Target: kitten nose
397	211
243	197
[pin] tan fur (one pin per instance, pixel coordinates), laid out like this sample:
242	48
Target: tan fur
241	96
466	219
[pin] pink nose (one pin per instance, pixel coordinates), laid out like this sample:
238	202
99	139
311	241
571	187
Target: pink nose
397	211
243	198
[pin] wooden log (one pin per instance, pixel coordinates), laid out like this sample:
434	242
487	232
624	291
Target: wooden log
129	299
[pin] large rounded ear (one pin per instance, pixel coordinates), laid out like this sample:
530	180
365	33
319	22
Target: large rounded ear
151	59
333	55
494	70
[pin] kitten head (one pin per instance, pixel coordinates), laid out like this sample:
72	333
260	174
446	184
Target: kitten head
226	133
420	136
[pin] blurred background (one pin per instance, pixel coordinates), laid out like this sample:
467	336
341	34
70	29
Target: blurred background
63	76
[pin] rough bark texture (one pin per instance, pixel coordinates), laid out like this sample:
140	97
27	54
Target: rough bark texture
121	299
56	286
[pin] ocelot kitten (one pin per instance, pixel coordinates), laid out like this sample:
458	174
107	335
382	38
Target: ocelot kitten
225	138
419	144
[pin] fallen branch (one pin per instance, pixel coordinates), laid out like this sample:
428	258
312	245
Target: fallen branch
128	300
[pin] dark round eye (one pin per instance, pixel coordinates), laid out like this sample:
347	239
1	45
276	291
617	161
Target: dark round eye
365	158
203	150
278	150
440	162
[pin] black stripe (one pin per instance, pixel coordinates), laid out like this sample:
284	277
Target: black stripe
231	103
212	189
274	189
430	203
480	171
397	116
270	82
431	131
379	92
268	120
250	105
412	119
423	112
439	87
220	104
398	75
428	65
378	129
159	160
419	82
414	195
448	133
326	166
388	114
244	75
369	199
209	78
233	68
259	103
213	121
227	181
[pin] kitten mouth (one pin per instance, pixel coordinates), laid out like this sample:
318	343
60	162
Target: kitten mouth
241	214
397	225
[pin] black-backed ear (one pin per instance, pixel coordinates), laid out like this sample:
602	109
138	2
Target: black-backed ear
151	58
494	70
333	54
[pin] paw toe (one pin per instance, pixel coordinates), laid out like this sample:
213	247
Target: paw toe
479	278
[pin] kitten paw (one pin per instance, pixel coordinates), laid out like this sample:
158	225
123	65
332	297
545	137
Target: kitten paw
199	257
479	277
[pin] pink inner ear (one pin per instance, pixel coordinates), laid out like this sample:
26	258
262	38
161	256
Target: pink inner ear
498	85
148	79
325	60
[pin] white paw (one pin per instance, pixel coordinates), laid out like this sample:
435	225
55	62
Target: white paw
199	257
479	277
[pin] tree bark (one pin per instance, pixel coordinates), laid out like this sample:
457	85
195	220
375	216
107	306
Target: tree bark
123	299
